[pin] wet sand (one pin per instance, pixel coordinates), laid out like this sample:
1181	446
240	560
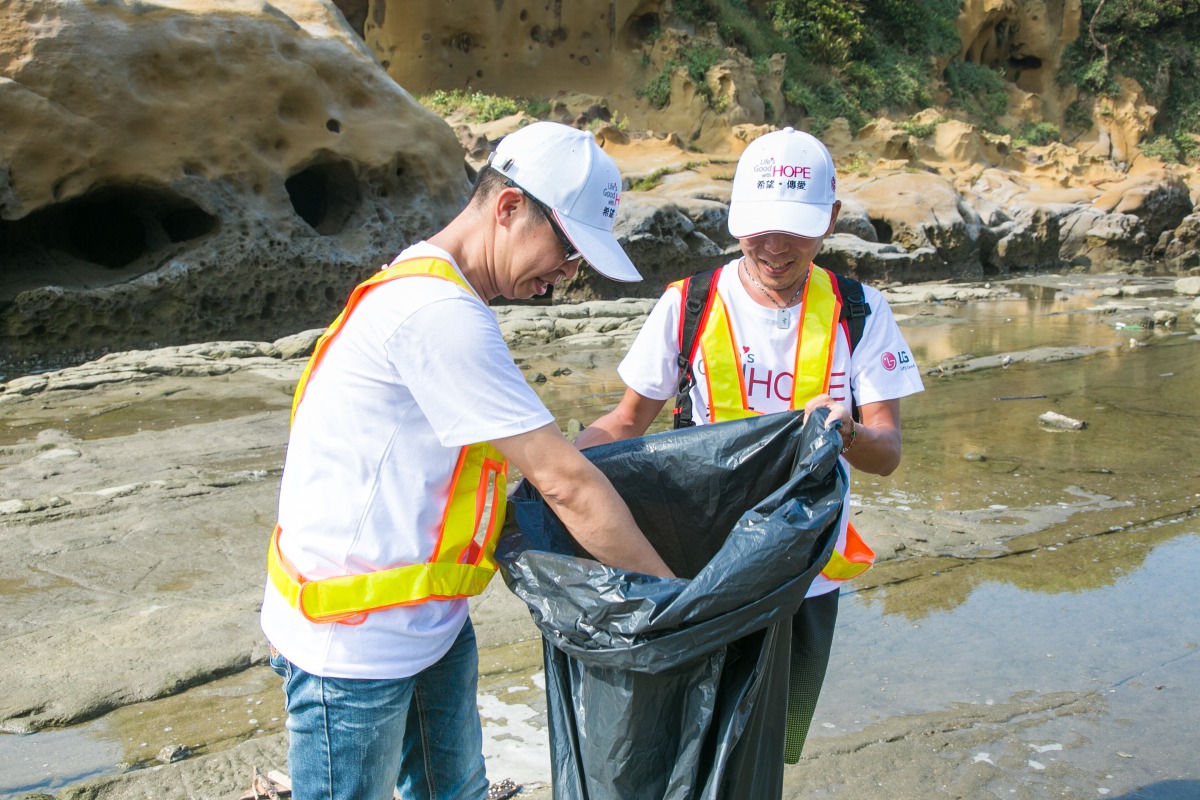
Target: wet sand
134	514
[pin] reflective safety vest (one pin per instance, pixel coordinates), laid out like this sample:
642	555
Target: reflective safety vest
463	560
816	335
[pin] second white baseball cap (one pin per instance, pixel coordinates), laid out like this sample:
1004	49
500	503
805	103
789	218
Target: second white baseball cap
785	181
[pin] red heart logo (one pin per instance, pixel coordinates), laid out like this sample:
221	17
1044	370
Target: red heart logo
745	349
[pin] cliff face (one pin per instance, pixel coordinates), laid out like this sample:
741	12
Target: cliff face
1024	41
611	49
511	48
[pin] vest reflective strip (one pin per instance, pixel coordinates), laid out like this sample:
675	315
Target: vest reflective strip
851	557
815	337
816	334
726	387
349	598
432	267
822	307
463	562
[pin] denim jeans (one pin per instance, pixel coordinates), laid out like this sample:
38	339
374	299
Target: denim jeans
353	739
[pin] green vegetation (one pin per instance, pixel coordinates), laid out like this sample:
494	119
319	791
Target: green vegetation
618	121
655	178
1037	134
480	107
1180	149
857	166
697	59
850	59
919	130
1157	44
860	58
978	91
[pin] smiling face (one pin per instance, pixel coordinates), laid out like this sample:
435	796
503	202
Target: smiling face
539	260
779	261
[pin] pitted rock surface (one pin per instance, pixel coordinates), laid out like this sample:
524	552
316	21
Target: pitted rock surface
215	171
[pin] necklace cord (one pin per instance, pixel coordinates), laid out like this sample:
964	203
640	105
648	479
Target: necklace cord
763	289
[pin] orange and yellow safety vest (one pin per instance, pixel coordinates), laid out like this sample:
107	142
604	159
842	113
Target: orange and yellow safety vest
816	335
463	560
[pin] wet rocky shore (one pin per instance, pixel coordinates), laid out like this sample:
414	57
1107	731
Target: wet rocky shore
137	492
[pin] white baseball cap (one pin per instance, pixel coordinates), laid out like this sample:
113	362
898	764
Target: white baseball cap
565	170
784	182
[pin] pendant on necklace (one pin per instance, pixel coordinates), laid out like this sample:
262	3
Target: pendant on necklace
782	318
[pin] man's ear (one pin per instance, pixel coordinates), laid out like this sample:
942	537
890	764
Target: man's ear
837	206
508	204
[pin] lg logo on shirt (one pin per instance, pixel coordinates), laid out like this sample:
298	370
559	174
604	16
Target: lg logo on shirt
892	360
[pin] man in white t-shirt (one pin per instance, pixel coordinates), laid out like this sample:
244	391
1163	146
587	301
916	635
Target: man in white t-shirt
393	489
775	334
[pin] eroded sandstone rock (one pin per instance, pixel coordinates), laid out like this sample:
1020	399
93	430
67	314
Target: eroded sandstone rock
182	171
920	210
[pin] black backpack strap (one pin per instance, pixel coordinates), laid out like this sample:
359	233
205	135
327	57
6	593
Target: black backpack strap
696	293
855	310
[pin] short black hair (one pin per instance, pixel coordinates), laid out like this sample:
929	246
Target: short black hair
488	182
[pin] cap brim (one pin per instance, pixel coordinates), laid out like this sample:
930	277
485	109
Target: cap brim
754	217
600	249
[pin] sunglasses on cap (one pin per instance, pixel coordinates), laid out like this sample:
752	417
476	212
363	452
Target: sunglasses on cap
571	254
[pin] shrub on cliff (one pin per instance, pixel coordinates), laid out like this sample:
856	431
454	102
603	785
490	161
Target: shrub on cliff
849	59
1156	44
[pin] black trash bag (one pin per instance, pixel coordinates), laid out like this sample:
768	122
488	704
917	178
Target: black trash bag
676	688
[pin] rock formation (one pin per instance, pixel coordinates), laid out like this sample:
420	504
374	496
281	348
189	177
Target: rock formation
174	171
483	45
183	171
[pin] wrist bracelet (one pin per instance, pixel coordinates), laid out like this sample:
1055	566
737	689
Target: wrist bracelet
848	439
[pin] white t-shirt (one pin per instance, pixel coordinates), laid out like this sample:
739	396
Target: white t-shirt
882	367
419	370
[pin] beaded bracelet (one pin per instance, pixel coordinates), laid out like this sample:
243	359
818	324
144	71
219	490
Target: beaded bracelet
848	439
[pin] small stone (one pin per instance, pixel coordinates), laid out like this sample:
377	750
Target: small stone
172	753
974	457
538	378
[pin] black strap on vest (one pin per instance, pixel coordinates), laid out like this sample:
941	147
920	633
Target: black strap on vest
855	308
855	311
697	291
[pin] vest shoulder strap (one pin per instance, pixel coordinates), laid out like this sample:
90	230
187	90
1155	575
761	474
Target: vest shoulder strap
855	308
697	296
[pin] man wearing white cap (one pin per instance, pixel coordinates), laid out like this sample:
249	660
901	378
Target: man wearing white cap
393	490
769	332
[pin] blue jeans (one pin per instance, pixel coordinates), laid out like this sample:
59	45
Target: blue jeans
352	739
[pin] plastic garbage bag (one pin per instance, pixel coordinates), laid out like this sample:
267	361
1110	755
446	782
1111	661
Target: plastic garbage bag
677	687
